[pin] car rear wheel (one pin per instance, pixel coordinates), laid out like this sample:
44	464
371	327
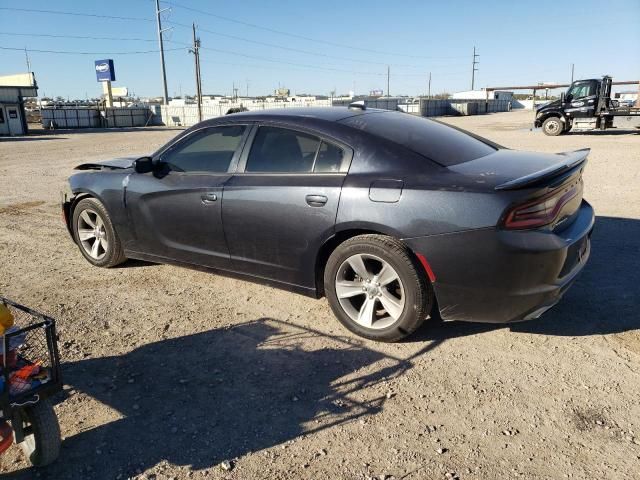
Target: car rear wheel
552	126
376	288
95	235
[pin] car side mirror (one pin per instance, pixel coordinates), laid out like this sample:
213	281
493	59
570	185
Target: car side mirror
143	165
568	97
562	97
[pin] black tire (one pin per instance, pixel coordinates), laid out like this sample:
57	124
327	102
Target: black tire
553	126
42	444
418	294
108	257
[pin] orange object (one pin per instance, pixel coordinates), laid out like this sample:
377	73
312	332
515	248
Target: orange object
26	371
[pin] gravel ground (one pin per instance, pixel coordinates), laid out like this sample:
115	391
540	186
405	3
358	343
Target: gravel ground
173	373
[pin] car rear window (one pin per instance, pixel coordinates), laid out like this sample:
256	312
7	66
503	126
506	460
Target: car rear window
440	143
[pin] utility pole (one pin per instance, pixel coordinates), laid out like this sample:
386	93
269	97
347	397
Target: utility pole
572	73
26	54
429	87
388	75
165	94
473	68
196	55
247	93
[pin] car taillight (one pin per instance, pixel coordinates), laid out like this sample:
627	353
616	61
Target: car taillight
539	212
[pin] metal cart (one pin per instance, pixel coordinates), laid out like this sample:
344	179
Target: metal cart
30	375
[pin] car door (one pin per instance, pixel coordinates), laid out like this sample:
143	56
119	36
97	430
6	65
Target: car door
282	203
176	210
583	99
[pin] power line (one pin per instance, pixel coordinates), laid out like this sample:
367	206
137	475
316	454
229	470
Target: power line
314	67
83	37
291	49
79	37
77	14
118	17
302	37
65	52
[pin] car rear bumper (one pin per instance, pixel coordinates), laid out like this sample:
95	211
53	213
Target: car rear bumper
498	276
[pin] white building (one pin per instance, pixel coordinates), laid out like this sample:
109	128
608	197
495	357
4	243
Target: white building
13	90
482	95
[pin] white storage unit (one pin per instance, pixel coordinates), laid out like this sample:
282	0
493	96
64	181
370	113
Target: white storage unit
70	117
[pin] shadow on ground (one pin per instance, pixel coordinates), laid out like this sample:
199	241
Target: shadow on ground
597	133
29	139
200	399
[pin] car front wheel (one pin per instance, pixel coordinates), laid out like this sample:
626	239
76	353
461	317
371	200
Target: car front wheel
552	126
376	289
95	235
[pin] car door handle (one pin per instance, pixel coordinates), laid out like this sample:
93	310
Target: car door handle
209	197
316	200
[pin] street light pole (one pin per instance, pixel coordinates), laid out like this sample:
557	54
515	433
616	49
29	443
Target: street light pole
196	55
388	81
165	93
572	73
473	68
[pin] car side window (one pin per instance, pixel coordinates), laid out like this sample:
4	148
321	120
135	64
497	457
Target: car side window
209	150
329	158
281	150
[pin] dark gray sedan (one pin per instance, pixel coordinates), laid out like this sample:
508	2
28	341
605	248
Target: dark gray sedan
391	216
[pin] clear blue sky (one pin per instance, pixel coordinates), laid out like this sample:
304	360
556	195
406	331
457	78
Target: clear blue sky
518	42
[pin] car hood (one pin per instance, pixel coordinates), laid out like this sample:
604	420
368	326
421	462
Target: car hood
508	169
113	164
549	105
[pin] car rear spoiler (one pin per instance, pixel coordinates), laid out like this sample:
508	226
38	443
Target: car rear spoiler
571	161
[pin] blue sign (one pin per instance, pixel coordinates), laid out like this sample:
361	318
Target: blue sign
105	71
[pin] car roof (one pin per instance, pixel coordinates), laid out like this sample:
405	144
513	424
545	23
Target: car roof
332	114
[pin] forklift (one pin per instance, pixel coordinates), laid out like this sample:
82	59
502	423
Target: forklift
586	106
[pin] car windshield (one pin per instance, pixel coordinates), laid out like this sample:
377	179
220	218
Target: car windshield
579	90
442	144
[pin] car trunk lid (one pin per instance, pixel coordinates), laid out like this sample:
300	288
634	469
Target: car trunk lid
513	170
545	189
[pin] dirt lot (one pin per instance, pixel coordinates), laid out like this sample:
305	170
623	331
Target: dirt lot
170	372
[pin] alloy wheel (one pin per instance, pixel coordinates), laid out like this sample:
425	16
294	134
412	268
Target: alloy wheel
370	291
92	234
